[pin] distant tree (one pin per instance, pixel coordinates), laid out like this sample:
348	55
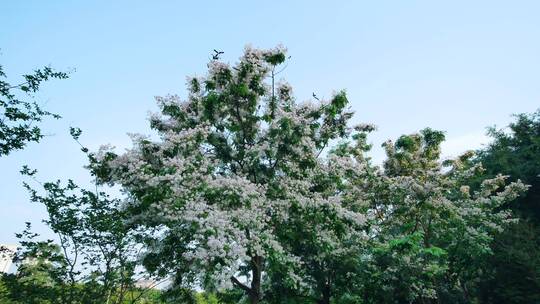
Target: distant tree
41	271
19	117
514	268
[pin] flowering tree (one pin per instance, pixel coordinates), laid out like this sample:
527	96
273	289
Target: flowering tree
235	166
433	232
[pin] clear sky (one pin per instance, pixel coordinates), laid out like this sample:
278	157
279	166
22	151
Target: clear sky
458	66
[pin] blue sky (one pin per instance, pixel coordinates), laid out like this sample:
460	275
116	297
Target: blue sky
458	66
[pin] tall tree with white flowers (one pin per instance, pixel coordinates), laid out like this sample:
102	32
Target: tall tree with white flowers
434	231
236	165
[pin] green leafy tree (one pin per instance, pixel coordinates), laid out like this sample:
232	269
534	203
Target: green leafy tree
514	268
94	259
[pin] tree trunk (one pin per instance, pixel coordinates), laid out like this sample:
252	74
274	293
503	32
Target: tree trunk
325	299
256	270
326	294
254	290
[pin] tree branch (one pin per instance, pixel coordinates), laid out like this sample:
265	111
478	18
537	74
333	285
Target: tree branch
239	284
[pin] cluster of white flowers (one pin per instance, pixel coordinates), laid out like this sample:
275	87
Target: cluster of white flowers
217	67
102	151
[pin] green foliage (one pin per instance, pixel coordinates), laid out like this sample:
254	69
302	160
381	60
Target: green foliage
275	59
513	274
94	260
41	272
515	151
206	298
19	118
